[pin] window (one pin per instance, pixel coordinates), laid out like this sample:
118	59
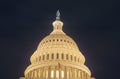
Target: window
67	74
75	58
64	40
67	56
40	58
47	56
62	74
52	74
57	39
62	56
57	74
52	56
43	57
57	56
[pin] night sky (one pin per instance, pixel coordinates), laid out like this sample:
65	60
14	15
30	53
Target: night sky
93	24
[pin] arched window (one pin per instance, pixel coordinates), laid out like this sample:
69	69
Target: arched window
53	39
66	56
52	74
57	39
40	58
75	58
64	40
47	56
57	56
52	56
57	74
43	57
62	74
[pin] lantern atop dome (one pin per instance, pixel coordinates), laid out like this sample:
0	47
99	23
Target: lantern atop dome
57	25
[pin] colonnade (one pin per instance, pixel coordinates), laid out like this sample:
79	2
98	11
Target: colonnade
57	73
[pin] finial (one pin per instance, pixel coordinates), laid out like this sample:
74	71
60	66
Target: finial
58	15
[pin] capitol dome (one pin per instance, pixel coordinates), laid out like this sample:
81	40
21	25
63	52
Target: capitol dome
57	57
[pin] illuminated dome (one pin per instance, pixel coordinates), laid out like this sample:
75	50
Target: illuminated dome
57	57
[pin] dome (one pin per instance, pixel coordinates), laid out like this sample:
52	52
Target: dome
57	57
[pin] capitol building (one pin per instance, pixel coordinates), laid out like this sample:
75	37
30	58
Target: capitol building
57	57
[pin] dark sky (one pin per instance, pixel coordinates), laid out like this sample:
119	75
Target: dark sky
93	24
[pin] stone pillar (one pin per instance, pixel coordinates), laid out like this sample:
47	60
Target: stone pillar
49	70
70	73
65	73
80	74
42	72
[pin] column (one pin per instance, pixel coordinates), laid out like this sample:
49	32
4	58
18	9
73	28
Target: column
70	73
49	70
65	73
46	73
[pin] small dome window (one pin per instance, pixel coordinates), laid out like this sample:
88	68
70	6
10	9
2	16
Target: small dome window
68	41
53	39
57	39
64	40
